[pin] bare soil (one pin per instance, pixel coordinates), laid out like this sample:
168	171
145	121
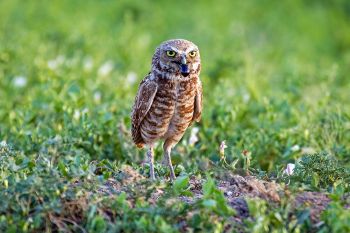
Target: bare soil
236	189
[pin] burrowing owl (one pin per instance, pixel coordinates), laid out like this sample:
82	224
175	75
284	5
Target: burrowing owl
169	99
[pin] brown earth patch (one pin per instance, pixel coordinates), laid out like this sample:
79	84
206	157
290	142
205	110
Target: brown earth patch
315	201
235	188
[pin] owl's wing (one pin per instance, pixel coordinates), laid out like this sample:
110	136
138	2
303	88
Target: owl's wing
197	113
143	102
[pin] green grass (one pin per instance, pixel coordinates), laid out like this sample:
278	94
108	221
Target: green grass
276	83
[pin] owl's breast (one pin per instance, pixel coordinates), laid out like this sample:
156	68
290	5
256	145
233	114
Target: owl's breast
185	93
171	111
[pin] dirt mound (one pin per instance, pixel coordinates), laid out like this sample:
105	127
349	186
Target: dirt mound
316	202
236	189
238	186
126	178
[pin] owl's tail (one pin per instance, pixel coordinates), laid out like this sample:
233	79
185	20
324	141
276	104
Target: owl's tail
136	137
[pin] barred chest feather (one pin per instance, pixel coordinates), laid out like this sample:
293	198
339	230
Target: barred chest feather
172	109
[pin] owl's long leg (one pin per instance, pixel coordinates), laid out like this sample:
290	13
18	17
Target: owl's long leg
150	156
167	150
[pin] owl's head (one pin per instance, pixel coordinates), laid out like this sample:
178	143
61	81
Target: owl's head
178	56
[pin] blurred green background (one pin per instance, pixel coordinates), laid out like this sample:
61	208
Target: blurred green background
275	76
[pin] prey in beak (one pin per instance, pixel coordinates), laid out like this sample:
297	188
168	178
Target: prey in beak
185	71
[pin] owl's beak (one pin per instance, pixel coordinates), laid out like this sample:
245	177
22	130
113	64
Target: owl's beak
185	71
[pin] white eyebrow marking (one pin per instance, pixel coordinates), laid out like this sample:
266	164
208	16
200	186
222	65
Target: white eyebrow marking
172	48
191	49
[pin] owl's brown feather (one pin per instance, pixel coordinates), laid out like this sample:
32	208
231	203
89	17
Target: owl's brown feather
197	112
169	99
143	102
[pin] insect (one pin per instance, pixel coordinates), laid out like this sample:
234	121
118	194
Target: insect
169	99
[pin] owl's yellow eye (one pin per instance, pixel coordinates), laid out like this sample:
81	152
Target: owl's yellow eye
193	54
170	53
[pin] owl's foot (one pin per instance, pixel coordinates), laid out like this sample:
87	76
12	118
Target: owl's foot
167	158
152	177
150	155
172	173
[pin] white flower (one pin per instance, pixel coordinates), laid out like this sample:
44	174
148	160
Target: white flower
3	143
20	81
76	114
289	169
246	97
295	148
193	138
85	111
131	77
88	64
55	63
222	148
105	69
52	64
97	97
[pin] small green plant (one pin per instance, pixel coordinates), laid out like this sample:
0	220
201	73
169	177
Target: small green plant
336	217
214	200
212	210
181	186
320	170
263	218
223	161
247	158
